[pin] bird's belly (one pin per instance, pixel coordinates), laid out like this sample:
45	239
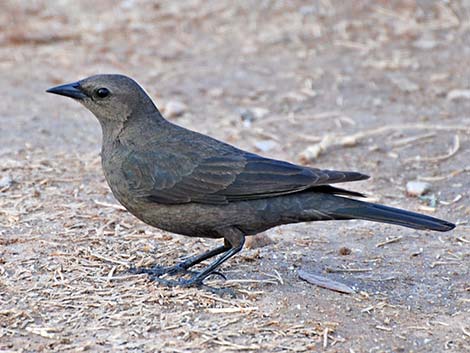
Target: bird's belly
203	220
187	219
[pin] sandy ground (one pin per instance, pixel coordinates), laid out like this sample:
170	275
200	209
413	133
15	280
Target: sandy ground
274	77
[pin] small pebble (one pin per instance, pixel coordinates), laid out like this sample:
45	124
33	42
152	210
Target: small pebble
216	92
259	113
6	182
404	84
425	42
458	94
377	102
265	145
417	188
174	109
344	251
247	117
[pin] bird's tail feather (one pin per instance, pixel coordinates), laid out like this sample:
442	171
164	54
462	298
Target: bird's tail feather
379	213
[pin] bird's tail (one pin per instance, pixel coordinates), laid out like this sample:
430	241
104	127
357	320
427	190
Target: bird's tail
354	209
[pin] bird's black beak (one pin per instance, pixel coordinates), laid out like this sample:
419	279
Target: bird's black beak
71	90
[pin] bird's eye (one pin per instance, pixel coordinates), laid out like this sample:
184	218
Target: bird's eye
102	92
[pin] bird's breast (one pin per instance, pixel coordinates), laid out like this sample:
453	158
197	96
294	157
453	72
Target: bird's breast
111	160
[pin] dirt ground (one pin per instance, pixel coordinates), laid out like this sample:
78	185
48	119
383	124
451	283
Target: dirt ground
386	81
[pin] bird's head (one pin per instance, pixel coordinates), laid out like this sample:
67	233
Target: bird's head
108	97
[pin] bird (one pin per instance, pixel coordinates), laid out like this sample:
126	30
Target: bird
184	182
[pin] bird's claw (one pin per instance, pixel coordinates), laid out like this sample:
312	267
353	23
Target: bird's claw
220	274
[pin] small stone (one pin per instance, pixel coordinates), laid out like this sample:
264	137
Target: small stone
345	251
404	84
417	188
258	241
216	92
438	77
174	109
265	145
247	117
458	94
377	102
6	182
259	113
425	42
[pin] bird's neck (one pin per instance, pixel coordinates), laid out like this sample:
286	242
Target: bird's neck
133	130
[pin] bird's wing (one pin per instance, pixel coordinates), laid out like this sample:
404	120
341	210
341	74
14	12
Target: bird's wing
177	179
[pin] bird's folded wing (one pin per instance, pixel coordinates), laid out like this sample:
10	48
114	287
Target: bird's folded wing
180	179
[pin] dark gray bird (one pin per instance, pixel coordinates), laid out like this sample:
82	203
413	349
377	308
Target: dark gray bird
188	183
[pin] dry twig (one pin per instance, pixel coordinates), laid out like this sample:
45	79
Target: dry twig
329	141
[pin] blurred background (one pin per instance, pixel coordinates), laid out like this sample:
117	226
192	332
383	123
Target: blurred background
382	87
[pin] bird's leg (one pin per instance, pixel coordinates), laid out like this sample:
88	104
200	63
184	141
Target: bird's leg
194	260
233	243
234	240
157	271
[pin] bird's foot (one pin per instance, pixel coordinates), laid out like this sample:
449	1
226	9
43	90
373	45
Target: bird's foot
158	271
195	281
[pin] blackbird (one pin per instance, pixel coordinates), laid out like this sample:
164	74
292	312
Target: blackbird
184	182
